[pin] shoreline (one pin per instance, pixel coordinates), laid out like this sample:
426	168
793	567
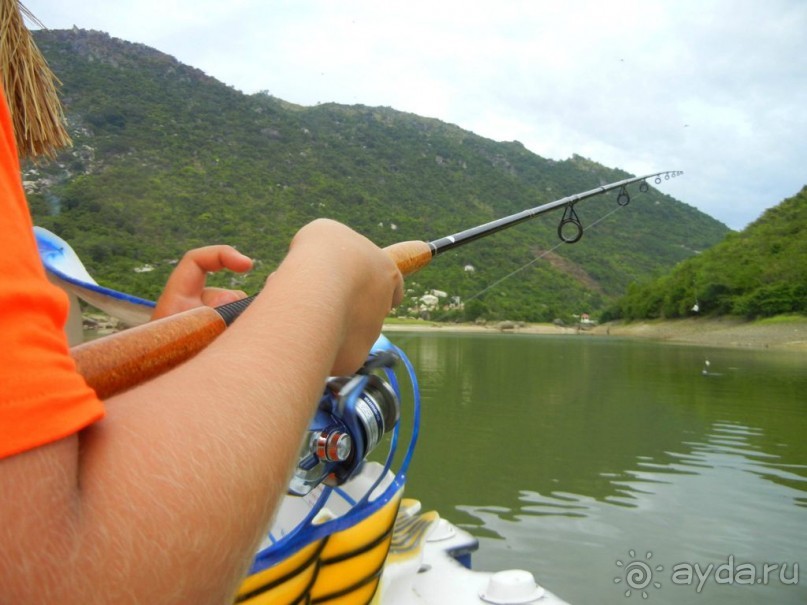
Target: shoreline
789	334
779	333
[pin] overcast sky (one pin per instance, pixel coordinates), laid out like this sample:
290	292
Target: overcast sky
717	89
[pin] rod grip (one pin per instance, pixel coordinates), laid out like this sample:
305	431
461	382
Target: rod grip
117	362
410	256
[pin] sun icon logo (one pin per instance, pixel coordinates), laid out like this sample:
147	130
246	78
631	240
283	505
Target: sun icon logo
638	574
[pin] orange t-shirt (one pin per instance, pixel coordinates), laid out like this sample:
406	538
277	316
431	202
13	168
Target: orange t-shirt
42	397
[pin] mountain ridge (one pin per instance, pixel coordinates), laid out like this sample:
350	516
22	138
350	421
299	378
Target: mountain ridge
166	158
760	271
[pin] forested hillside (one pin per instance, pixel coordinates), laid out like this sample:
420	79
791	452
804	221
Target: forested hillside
759	272
166	158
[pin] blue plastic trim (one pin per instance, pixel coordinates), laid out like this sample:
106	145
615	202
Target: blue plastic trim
51	247
345	496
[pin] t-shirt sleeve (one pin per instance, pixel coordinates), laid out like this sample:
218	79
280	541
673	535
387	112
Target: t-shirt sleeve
42	396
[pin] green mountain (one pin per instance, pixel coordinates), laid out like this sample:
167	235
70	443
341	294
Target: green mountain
759	272
166	158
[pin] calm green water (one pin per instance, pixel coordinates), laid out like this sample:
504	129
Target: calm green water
582	458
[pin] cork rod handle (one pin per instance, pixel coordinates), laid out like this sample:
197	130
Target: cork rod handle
117	362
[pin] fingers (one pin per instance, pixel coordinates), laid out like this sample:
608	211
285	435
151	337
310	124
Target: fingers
185	288
397	295
215	297
189	275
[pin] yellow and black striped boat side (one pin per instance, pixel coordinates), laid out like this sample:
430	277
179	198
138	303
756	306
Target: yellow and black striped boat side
410	532
289	582
353	559
343	568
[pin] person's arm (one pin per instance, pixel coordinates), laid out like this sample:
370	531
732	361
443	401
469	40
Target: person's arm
165	500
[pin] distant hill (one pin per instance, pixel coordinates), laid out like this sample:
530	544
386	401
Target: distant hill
166	158
759	272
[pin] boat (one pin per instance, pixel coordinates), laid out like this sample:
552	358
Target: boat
357	539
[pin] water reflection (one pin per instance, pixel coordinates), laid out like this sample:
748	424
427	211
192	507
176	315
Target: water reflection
562	453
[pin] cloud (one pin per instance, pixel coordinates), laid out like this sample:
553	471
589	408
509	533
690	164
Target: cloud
714	88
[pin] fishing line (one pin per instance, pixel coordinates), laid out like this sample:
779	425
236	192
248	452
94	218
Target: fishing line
542	255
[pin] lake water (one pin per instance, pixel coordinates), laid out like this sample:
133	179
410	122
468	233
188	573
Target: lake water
617	471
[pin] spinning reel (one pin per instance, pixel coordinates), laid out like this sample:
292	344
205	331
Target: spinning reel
354	414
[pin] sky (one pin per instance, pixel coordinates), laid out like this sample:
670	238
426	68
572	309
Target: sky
714	88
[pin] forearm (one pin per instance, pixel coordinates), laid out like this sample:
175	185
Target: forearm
218	469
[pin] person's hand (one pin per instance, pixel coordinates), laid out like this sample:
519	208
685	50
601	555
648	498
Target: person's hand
186	289
365	284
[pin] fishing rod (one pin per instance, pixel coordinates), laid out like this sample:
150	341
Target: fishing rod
120	361
414	255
